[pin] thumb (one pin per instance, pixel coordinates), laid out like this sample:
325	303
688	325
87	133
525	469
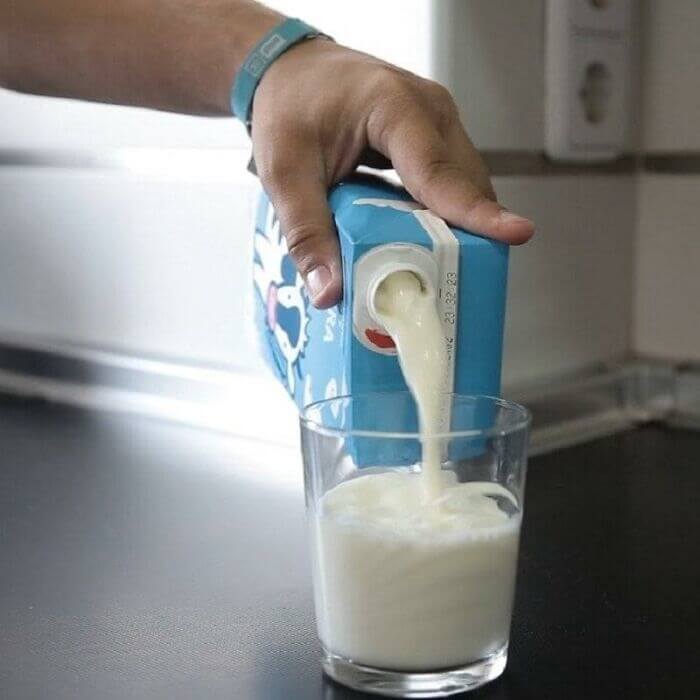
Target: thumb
299	197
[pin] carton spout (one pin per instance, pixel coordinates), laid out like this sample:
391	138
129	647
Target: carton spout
371	270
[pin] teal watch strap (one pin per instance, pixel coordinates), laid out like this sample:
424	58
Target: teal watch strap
266	51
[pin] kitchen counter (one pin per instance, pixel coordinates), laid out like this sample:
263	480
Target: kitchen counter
140	559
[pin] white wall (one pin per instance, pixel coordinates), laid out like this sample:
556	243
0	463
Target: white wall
671	75
159	265
492	58
143	263
30	122
39	123
668	267
571	288
494	62
667	300
395	30
153	258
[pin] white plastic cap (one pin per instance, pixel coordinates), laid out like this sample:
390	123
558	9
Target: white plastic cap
370	271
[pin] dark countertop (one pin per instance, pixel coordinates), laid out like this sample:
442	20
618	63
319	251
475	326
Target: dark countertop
138	559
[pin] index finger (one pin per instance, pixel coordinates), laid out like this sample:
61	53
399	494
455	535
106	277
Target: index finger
445	174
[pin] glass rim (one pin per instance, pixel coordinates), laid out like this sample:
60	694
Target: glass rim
522	422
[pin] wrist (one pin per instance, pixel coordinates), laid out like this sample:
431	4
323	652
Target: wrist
255	22
238	27
277	42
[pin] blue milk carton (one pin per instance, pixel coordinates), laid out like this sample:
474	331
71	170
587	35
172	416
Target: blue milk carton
344	350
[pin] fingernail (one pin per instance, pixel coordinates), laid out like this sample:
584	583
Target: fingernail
317	280
507	217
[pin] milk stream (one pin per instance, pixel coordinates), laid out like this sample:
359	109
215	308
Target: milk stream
410	316
414	571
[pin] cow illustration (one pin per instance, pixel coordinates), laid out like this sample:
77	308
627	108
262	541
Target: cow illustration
283	296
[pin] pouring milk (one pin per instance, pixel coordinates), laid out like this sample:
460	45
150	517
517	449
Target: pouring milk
414	571
409	314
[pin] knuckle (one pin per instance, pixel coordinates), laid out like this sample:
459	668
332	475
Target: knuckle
441	175
268	180
388	76
438	93
477	199
441	102
438	172
302	243
396	95
402	94
395	86
274	174
277	157
488	191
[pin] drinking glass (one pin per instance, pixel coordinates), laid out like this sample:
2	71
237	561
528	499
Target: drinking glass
413	593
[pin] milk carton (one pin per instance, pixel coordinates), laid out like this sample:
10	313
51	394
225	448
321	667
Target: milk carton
344	350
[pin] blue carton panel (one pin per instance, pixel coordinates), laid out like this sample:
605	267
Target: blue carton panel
320	354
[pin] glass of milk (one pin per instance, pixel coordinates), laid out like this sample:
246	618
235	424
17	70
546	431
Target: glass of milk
414	560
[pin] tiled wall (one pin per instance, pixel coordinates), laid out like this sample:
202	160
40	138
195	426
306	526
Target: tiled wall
667	308
667	322
159	264
144	263
570	294
491	56
143	245
570	288
153	258
40	124
169	254
671	82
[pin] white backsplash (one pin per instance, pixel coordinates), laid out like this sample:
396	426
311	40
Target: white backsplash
160	265
491	55
667	299
153	257
146	264
570	289
671	69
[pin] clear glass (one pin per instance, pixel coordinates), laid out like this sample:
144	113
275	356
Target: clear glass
413	593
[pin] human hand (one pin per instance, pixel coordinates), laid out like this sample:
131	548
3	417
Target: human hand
322	109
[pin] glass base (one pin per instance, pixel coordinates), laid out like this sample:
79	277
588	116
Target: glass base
428	684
